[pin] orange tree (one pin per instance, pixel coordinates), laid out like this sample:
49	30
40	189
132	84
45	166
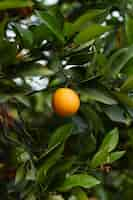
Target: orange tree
86	46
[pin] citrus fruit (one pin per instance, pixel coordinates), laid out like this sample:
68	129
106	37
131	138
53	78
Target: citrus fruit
65	101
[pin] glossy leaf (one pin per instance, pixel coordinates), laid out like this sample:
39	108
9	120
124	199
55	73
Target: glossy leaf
109	144
97	95
110	141
71	28
78	180
99	158
115	156
90	33
115	113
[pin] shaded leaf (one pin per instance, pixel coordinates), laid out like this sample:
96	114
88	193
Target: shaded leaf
25	35
34	69
128	84
128	27
49	162
124	98
60	135
51	23
40	33
20	174
97	95
119	59
80	194
55	197
8	52
115	113
92	118
30	196
31	174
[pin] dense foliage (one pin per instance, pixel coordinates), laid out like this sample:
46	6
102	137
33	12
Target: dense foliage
85	45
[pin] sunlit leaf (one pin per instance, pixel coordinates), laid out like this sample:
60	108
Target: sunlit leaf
78	180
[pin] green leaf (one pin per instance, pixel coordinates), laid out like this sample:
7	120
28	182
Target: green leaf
91	32
31	174
110	141
71	28
8	52
119	59
55	197
99	158
40	33
83	19
63	167
30	196
24	157
57	81
124	98
36	70
109	144
115	113
60	135
128	84
93	118
101	193
80	194
49	162
97	95
22	101
82	47
52	24
3	25
128	69
68	29
9	87
30	70
7	4
116	155
20	174
78	180
25	35
128	28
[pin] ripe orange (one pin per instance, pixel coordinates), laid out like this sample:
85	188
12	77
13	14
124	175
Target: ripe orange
66	102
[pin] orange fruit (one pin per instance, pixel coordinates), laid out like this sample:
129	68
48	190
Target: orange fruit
65	101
